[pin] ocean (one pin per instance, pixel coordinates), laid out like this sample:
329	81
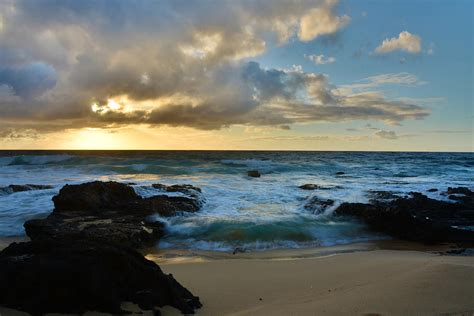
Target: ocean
239	211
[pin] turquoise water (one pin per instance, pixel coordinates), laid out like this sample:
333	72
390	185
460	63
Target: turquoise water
257	213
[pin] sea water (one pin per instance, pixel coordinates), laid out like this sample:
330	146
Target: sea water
239	211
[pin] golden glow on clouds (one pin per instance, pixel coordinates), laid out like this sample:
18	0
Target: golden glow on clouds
234	138
111	105
204	45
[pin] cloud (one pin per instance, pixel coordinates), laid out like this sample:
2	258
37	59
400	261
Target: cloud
28	80
405	41
321	21
106	64
386	134
321	59
11	134
402	78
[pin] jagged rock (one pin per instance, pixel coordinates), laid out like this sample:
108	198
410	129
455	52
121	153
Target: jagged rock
459	190
253	173
13	188
186	189
416	218
317	205
462	195
309	186
171	205
376	196
183	188
97	197
108	211
123	230
75	276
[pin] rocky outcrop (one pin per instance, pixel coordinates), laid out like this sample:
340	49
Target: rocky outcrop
112	197
13	188
81	257
75	276
253	173
98	197
462	195
109	211
122	230
416	218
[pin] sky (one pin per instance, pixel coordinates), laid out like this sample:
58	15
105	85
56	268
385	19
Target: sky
237	75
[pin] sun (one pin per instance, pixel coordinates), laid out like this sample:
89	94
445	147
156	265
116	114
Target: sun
95	138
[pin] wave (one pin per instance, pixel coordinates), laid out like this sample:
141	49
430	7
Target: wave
249	163
34	160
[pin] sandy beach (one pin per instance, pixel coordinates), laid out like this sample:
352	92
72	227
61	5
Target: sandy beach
375	282
358	279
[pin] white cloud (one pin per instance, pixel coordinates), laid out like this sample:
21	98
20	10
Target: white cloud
405	41
402	78
321	21
321	59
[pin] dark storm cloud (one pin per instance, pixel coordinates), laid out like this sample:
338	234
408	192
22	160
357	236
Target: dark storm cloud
28	81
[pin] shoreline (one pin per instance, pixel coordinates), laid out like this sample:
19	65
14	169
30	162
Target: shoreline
177	256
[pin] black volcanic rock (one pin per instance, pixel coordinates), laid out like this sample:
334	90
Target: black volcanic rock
97	197
13	188
340	173
183	188
461	195
459	190
171	205
75	276
253	173
94	198
318	205
416	218
108	211
122	230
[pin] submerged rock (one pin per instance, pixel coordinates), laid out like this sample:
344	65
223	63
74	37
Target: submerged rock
309	186
253	173
340	173
433	190
75	276
416	218
13	188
